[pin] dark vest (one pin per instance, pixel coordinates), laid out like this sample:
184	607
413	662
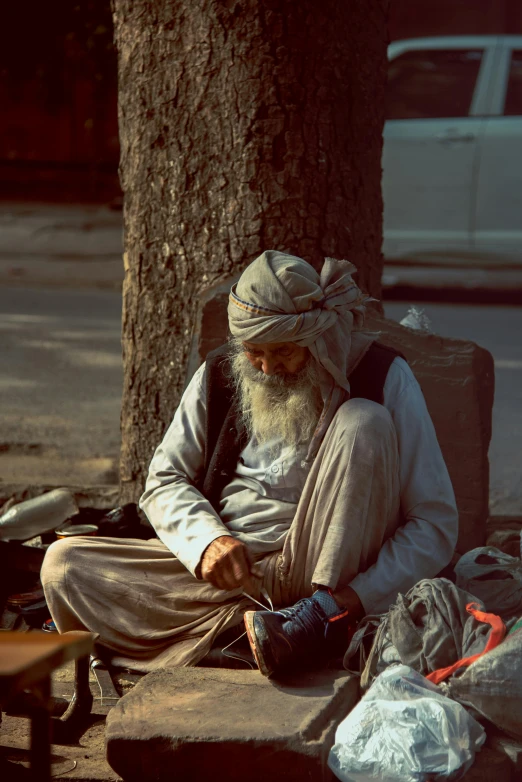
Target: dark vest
225	439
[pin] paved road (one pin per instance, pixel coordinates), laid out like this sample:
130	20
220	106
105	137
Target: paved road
61	384
60	387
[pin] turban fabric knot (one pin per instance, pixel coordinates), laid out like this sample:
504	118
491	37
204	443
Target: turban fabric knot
281	298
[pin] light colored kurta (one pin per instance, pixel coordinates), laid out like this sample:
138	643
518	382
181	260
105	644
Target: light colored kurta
259	503
149	611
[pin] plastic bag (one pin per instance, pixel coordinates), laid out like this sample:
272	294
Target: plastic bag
405	730
417	319
493	577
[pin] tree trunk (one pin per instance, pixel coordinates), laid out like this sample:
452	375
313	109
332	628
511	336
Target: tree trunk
244	126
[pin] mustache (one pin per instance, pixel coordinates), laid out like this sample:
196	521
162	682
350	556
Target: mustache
241	367
278	380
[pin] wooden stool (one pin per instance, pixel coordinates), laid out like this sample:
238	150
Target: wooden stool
26	662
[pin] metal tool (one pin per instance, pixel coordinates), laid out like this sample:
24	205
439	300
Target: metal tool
109	695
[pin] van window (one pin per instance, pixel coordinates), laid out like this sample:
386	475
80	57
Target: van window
513	103
432	83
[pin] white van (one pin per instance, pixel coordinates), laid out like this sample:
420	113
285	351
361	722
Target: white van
452	160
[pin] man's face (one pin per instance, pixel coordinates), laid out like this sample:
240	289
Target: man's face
276	358
278	389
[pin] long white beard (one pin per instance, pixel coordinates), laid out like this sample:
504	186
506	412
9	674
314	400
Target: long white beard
285	407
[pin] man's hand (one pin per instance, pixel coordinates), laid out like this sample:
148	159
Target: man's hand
225	564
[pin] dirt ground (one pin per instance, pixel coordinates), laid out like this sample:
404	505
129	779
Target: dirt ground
83	760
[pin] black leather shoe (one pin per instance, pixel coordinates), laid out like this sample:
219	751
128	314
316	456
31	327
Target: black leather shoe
300	636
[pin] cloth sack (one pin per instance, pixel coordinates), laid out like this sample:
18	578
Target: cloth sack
427	629
492	686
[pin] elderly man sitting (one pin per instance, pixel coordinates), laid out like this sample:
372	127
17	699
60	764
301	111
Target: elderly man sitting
301	464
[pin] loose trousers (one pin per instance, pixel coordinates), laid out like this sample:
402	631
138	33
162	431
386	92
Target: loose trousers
149	611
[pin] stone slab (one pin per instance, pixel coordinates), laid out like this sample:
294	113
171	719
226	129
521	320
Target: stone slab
227	725
457	379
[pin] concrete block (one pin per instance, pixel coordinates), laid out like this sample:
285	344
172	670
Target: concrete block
457	379
227	725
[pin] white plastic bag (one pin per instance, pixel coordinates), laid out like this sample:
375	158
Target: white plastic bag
417	319
405	730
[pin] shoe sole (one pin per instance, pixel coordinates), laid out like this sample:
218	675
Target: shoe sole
253	641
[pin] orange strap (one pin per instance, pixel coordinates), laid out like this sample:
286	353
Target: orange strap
496	636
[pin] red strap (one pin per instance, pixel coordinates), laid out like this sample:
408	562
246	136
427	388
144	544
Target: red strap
496	636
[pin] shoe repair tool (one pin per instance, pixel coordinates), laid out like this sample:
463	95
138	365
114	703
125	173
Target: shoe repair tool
108	691
73	721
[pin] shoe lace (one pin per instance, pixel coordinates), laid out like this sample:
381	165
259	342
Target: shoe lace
307	616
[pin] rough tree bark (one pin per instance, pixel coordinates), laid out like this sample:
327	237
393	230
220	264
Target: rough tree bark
244	126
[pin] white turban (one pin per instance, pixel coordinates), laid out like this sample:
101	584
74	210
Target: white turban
281	298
